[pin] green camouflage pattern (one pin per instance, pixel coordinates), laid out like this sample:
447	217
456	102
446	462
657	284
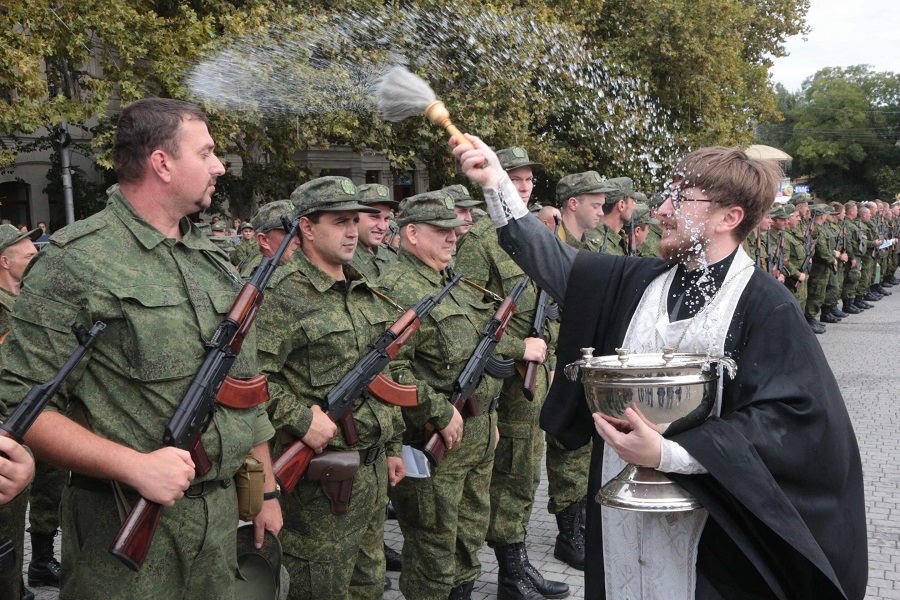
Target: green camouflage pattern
222	243
797	254
835	278
244	251
116	268
461	196
312	329
578	184
372	265
375	193
588	243
650	245
820	272
46	492
620	188
750	249
12	525
444	518
434	208
610	242
10	234
268	217
515	157
327	194
7	300
517	460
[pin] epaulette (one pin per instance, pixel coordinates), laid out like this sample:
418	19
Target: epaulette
79	229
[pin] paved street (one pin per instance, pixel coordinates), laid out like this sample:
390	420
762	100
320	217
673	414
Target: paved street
863	352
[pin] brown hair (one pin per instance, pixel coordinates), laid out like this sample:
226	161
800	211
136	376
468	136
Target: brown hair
731	178
146	126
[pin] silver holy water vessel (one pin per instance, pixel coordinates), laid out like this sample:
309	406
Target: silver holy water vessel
675	391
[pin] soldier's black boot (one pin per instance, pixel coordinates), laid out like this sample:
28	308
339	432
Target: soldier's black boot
872	296
462	592
816	326
861	303
546	587
880	289
569	546
392	559
512	581
840	314
849	308
44	568
827	317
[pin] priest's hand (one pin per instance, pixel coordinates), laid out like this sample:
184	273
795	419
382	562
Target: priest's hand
634	439
478	162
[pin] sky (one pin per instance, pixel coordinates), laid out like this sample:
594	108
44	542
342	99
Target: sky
842	33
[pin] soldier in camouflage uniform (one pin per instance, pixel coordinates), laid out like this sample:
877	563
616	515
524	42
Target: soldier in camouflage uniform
16	472
822	262
443	517
854	259
641	222
16	250
517	461
219	237
247	248
755	244
650	246
464	207
318	319
162	289
784	270
864	293
617	211
372	257
581	198
269	228
838	227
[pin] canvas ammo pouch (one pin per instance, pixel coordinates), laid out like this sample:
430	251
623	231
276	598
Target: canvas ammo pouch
250	484
335	472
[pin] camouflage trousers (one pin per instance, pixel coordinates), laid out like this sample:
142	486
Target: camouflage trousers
444	517
848	290
336	556
835	282
865	280
800	293
193	555
12	525
46	492
818	281
567	475
517	460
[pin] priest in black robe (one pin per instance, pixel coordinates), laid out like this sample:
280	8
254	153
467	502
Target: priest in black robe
782	476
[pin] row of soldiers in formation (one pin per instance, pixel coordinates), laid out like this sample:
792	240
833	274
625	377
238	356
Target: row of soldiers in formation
830	254
344	284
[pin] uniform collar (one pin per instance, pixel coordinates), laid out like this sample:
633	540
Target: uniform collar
321	280
427	272
148	235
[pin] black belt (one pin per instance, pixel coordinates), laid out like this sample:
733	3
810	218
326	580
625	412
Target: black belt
368	456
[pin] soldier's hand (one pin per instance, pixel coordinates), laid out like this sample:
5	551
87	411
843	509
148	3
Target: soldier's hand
269	518
163	475
321	431
535	350
16	469
801	277
452	433
781	278
844	257
496	436
396	470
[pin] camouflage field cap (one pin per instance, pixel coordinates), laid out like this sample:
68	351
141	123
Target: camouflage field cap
778	212
789	209
535	207
218	226
246	225
515	157
461	196
588	182
375	193
656	200
268	217
821	209
327	194
10	234
434	208
799	198
639	197
642	215
622	188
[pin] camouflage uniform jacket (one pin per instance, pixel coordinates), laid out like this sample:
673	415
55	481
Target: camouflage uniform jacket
161	299
797	254
435	355
825	243
851	241
481	260
248	267
750	248
222	243
589	242
244	251
650	246
312	330
611	242
372	264
7	299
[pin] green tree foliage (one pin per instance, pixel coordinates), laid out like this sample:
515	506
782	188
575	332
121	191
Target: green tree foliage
842	128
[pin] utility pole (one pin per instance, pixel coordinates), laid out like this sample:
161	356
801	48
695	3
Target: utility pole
63	139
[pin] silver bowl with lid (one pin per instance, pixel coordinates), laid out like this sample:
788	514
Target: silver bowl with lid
675	391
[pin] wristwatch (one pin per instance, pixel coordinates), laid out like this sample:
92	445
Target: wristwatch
274	493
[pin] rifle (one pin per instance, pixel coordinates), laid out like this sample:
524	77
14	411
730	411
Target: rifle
758	249
36	399
778	259
809	246
632	240
841	244
541	314
211	385
365	374
468	379
860	236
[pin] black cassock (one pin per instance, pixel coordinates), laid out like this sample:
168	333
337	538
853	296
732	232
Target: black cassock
784	487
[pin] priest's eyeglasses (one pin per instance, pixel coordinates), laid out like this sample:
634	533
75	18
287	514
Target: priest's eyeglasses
678	200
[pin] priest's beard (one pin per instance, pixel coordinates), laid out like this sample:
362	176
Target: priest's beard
684	247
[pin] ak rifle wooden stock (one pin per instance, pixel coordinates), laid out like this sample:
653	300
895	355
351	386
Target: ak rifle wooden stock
365	375
196	409
463	397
